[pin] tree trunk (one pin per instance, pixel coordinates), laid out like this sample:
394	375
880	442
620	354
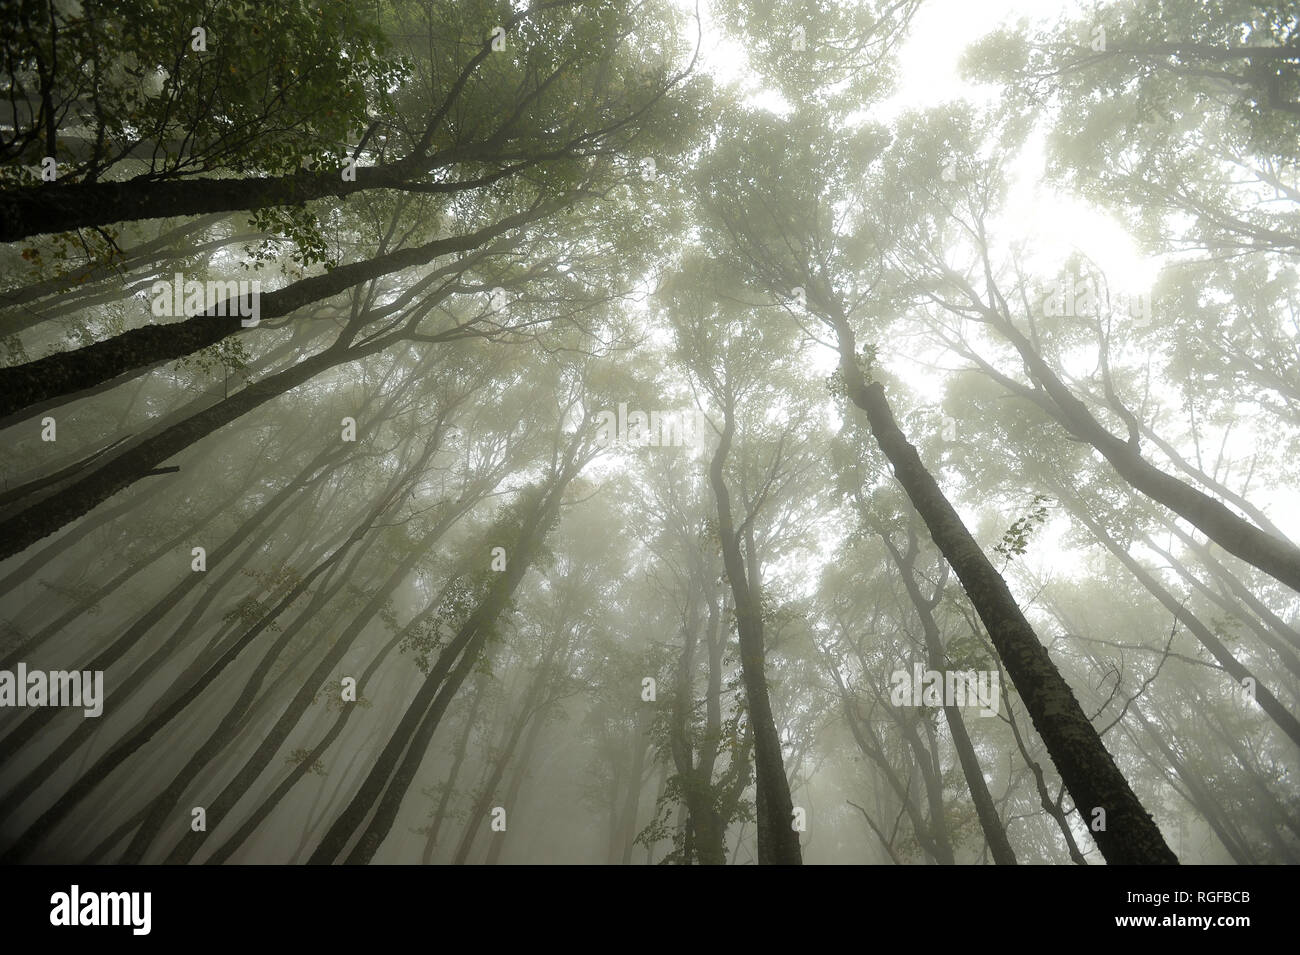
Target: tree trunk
1274	556
511	798
80	497
59	207
26	730
241	782
274	738
632	800
118	754
1270	704
987	812
458	760
778	842
393	772
70	372
1089	771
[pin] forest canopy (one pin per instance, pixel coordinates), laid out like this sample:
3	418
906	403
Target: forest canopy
584	431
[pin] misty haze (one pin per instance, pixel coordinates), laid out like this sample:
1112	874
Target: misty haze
609	432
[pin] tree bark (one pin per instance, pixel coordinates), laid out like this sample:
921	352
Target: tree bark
778	842
1274	556
71	372
1089	771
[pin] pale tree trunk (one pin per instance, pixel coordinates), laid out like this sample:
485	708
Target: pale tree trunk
990	822
458	760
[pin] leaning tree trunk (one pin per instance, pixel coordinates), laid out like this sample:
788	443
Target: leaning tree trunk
230	725
19	736
529	718
389	778
243	780
511	797
119	753
58	207
306	694
63	207
1089	771
994	832
449	785
70	372
80	497
1270	704
1197	794
1274	556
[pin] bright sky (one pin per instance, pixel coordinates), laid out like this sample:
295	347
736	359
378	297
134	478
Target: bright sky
1058	225
1051	226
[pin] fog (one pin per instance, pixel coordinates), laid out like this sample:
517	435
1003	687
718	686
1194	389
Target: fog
595	433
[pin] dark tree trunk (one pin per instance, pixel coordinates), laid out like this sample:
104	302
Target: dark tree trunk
511	798
25	731
58	207
274	738
119	753
1089	771
80	497
1274	556
778	842
71	372
528	718
240	784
